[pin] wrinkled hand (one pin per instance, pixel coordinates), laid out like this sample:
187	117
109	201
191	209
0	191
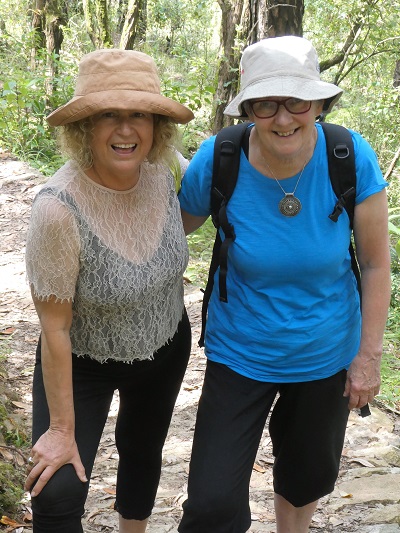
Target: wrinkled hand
54	449
363	381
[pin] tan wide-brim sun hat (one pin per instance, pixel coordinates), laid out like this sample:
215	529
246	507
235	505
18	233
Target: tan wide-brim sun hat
284	67
118	79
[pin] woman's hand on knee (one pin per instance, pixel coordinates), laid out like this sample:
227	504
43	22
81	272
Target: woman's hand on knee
53	450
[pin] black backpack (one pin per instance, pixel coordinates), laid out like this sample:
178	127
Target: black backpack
228	143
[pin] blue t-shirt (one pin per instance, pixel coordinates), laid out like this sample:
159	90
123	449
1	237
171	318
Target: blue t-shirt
293	312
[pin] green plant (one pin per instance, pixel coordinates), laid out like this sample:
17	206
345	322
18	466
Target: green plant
26	98
12	434
394	228
11	483
390	372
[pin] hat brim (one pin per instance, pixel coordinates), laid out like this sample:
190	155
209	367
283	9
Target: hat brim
285	87
80	107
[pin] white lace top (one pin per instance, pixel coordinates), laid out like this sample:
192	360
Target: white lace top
119	256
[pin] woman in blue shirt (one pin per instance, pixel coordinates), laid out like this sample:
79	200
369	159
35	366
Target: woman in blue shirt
292	329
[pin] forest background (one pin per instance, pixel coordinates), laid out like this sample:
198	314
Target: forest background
197	46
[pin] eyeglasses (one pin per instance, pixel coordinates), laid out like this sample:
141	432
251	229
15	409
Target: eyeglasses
269	108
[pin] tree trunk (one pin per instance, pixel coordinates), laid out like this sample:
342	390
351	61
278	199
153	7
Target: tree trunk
48	17
97	23
39	39
249	23
134	28
121	14
232	12
255	23
396	75
285	18
55	17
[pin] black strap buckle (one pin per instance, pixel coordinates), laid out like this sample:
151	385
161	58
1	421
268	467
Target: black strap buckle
341	204
341	151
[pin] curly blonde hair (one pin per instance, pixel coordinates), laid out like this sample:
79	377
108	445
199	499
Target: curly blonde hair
74	140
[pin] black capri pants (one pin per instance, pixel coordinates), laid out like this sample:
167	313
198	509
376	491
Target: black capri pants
307	429
147	394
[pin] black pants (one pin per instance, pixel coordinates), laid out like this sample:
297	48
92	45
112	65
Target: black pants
307	429
147	393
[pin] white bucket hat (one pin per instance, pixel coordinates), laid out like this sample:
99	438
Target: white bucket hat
284	67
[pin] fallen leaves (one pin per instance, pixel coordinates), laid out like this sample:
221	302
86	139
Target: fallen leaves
13	525
259	468
21	405
8	331
362	461
110	491
12	455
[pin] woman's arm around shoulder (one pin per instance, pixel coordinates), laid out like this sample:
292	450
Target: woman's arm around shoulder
191	222
372	245
195	192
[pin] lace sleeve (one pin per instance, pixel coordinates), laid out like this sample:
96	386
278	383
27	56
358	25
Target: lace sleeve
52	249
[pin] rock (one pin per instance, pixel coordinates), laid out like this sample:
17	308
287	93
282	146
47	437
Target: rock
389	514
381	529
381	488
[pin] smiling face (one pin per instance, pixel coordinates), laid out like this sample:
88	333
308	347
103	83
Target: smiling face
286	137
121	141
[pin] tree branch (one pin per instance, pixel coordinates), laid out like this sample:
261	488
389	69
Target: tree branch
362	60
392	164
13	449
345	51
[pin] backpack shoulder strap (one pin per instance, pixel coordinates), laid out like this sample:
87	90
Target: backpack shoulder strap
342	173
225	172
225	166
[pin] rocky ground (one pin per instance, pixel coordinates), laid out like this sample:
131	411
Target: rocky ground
365	500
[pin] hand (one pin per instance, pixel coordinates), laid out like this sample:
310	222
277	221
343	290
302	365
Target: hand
54	449
363	380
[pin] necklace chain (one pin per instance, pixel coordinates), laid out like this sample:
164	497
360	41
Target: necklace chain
278	182
289	206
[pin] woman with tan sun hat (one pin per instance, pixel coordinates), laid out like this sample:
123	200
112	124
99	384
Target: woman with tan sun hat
105	256
292	329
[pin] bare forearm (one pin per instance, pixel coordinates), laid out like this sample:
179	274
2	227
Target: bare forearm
375	303
55	320
57	446
57	376
363	377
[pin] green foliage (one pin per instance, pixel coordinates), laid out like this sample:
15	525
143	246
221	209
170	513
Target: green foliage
390	389
12	427
370	104
184	48
390	373
11	478
24	105
11	492
394	229
22	111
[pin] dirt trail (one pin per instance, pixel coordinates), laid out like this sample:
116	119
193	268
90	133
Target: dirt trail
367	496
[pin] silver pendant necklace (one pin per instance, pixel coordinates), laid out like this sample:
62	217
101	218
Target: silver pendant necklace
290	205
